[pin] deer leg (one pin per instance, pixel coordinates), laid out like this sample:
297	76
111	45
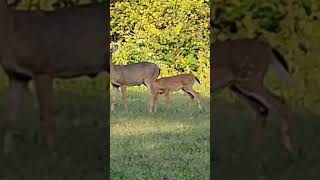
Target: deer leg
152	96
124	96
32	92
198	100
155	100
191	98
17	90
196	96
270	100
261	112
115	93
167	96
44	90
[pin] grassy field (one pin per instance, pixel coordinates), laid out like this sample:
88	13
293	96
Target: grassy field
81	131
236	157
172	143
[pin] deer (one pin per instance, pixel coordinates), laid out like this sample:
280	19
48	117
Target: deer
41	46
135	74
183	82
131	75
241	66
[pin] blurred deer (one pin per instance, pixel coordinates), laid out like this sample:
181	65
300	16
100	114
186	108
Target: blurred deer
241	65
182	82
41	46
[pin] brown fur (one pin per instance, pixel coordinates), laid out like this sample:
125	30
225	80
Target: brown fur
241	65
182	82
41	46
133	75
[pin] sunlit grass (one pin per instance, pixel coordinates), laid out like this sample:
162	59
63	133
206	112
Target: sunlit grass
170	144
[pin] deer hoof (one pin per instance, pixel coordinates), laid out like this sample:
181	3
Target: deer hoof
151	110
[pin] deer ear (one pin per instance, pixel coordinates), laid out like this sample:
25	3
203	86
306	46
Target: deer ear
115	47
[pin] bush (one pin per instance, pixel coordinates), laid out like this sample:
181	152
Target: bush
173	34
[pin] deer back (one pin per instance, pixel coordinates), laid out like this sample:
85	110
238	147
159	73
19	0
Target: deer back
134	74
65	43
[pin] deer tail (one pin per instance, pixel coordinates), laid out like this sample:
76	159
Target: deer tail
197	81
281	66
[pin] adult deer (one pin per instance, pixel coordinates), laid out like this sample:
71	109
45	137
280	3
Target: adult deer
182	82
133	75
241	65
41	46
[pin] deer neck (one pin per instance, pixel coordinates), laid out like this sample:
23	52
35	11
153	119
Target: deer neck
111	68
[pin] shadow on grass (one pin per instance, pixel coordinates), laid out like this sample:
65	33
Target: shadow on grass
81	139
233	146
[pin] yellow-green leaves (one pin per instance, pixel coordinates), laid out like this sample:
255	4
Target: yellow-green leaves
171	33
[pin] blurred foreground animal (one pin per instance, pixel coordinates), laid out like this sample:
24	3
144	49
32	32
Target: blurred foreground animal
241	65
41	46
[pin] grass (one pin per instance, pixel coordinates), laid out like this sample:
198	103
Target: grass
172	143
81	139
236	158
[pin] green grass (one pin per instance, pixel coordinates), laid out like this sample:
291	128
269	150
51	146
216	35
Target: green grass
237	158
172	143
81	139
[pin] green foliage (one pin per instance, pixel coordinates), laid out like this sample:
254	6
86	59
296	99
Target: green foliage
173	34
290	26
